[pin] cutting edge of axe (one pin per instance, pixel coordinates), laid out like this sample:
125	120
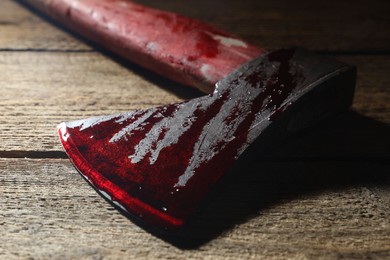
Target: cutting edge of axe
160	164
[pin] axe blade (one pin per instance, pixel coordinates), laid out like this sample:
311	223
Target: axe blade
159	164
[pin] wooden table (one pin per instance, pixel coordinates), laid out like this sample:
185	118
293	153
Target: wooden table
325	193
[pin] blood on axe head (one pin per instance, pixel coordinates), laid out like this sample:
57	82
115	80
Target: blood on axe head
159	164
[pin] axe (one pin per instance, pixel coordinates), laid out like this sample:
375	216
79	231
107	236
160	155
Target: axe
158	165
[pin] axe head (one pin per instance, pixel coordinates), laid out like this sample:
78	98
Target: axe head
159	164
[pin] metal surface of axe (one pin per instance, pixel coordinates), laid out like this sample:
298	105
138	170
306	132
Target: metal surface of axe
159	164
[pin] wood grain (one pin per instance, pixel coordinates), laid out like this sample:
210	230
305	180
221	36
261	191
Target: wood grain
322	194
47	211
53	87
21	30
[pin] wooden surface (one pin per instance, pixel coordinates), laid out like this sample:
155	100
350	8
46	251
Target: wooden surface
323	194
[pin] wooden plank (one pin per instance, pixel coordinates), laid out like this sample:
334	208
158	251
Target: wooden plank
342	26
288	210
20	30
40	90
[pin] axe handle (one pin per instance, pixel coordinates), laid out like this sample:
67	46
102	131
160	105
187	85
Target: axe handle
182	49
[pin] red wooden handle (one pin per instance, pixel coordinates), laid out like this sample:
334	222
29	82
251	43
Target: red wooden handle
177	47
